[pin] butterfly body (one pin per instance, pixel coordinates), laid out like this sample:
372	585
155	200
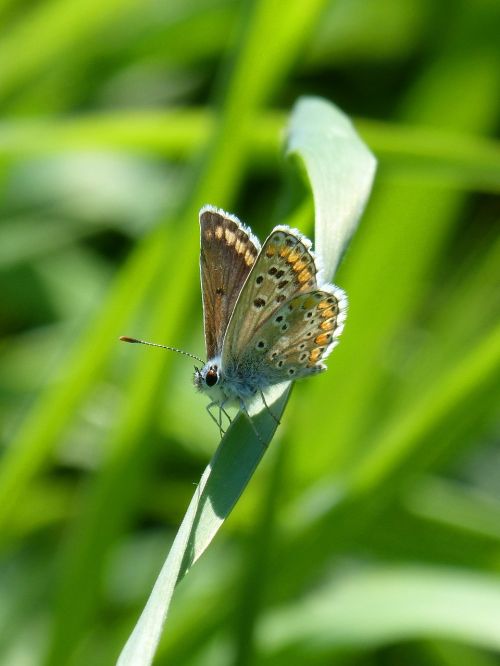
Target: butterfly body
267	320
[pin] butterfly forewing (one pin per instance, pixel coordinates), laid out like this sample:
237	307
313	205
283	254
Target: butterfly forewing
228	252
284	268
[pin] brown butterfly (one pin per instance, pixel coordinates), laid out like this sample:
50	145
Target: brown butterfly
268	317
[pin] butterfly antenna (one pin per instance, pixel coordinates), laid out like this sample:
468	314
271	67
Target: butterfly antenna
135	341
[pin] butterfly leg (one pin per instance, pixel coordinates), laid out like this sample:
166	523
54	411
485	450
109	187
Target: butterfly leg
214	419
219	420
278	422
223	411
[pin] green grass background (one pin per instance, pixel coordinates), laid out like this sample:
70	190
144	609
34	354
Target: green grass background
370	534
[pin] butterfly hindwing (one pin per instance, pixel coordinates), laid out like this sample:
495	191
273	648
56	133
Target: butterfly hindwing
284	268
314	322
228	252
298	336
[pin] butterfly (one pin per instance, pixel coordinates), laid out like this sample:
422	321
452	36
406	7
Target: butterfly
268	317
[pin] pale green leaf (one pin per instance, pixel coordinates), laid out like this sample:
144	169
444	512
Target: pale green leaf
382	606
340	169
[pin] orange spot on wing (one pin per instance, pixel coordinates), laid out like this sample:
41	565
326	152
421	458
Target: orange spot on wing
293	257
299	265
314	355
270	251
327	325
328	313
305	275
323	305
321	339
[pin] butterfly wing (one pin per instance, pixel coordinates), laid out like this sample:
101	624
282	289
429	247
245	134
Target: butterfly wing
283	326
228	252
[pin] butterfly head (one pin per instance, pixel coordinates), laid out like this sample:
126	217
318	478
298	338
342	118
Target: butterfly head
208	378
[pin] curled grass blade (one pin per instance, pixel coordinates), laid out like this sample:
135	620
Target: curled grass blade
340	169
240	451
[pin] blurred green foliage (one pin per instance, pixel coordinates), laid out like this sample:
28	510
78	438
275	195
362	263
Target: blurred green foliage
370	534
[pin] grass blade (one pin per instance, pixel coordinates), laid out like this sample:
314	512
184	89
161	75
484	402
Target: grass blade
372	608
340	169
221	485
240	450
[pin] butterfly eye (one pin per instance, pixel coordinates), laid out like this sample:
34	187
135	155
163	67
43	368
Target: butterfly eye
212	376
